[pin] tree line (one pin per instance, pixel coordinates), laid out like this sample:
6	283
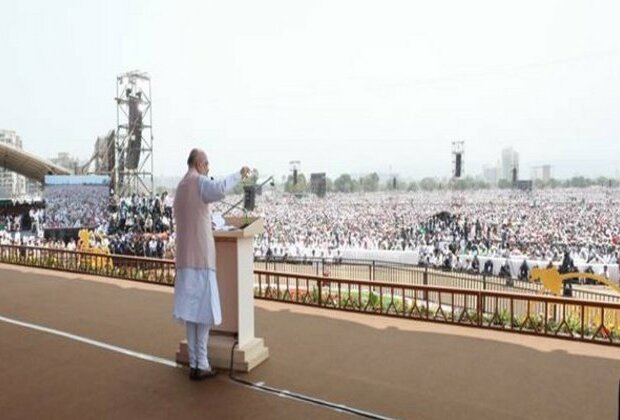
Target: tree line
346	183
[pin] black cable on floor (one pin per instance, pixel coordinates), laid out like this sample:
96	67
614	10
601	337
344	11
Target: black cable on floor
300	397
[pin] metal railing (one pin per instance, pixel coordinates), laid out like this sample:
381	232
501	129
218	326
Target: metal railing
402	273
557	317
149	270
162	271
527	313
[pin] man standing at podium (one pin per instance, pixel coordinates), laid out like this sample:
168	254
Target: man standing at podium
196	296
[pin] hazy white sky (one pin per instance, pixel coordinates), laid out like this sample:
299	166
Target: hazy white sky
340	85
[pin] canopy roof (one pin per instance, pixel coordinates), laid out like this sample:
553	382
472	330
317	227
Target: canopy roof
27	164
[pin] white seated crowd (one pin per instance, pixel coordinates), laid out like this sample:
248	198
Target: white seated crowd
439	228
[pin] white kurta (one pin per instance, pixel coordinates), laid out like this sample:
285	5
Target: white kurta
196	295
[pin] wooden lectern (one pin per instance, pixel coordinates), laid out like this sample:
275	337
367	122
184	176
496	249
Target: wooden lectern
235	279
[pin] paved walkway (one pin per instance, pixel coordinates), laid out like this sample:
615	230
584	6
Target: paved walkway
393	367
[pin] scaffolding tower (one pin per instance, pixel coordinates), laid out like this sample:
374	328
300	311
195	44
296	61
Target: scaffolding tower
133	169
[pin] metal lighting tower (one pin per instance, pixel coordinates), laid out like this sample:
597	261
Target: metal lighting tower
294	168
457	198
133	169
458	167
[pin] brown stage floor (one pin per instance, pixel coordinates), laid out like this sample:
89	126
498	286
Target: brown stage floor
392	367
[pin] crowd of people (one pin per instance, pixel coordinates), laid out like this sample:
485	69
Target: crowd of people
444	228
75	206
448	228
138	225
495	231
18	217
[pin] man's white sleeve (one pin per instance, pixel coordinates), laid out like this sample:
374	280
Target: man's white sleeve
215	190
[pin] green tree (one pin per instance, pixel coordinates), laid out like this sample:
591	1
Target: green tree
369	183
399	185
429	184
329	184
344	183
481	185
603	181
580	182
301	186
540	184
504	184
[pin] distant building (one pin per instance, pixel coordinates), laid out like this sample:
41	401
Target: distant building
66	161
12	185
490	174
34	188
542	172
510	161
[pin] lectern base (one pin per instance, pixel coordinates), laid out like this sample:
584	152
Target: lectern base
245	359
